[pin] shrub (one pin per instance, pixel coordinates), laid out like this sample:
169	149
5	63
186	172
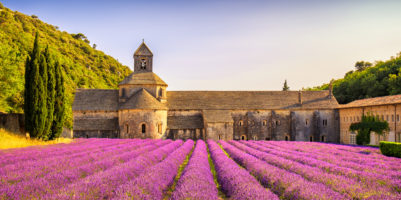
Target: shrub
390	148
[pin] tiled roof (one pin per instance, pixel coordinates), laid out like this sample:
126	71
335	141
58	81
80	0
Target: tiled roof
143	100
95	124
185	122
246	100
143	50
145	78
95	100
217	116
394	99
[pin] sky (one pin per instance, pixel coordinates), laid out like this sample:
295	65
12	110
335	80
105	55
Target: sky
233	44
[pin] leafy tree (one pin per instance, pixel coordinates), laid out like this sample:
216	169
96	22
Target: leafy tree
384	78
59	106
285	87
17	34
368	124
362	65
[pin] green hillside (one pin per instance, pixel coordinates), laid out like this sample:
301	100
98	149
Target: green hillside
381	79
83	66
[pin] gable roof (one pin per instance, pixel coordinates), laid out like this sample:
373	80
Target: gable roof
246	100
216	116
95	99
145	78
95	124
394	99
143	50
185	122
143	100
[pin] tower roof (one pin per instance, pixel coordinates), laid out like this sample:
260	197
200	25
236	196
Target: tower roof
143	100
143	50
145	78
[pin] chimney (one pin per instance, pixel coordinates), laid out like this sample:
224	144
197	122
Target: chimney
331	89
300	97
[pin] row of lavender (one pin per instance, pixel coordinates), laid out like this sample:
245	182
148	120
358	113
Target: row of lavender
304	170
146	169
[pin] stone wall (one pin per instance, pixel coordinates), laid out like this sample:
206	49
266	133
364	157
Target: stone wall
12	122
131	123
389	113
219	131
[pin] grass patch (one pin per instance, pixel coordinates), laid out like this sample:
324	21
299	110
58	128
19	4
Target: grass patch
171	189
10	140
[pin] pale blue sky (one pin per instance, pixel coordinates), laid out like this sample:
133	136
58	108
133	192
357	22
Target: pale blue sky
234	45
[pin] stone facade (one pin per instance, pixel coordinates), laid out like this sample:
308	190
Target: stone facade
143	108
386	108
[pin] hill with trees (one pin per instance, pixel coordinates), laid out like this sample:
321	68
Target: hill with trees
367	80
82	65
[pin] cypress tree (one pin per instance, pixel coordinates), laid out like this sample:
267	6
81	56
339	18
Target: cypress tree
285	87
40	99
50	93
31	80
59	107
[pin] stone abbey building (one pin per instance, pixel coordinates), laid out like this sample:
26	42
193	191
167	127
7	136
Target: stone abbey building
143	108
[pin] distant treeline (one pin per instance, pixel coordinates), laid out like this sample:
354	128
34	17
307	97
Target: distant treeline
367	80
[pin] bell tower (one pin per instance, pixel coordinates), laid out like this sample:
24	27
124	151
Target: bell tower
143	59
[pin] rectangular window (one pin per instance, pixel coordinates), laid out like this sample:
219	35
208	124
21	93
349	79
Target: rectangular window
386	117
392	118
398	118
352	138
159	127
357	118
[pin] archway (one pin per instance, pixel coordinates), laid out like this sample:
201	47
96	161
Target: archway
243	137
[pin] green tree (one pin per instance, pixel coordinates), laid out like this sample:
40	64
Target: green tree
51	83
59	106
368	124
41	117
31	67
362	65
285	87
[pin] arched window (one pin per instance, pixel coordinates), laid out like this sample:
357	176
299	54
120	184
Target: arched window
240	123
323	138
306	121
310	138
264	122
161	92
123	92
287	138
255	137
126	128
143	63
220	137
243	137
143	128
160	128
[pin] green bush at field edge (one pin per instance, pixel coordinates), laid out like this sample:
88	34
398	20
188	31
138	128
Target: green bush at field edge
390	148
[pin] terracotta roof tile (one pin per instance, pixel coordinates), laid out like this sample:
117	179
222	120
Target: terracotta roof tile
95	99
145	78
185	122
143	100
394	99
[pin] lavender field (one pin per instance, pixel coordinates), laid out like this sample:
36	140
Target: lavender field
166	169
